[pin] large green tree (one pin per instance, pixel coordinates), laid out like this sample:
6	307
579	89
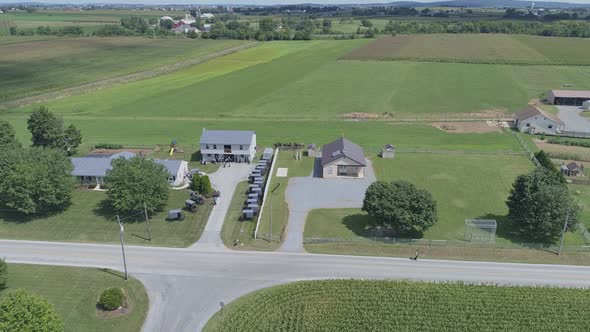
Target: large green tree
539	204
7	135
401	206
35	180
22	311
3	273
48	131
136	181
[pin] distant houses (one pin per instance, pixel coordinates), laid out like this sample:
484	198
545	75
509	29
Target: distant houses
91	170
343	159
567	97
228	145
534	120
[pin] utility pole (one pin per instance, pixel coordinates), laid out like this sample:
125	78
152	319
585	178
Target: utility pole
147	220
122	229
563	233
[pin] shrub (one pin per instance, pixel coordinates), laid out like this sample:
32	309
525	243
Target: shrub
3	273
22	311
111	299
108	146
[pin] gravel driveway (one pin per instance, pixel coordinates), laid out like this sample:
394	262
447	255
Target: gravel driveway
225	179
308	193
570	115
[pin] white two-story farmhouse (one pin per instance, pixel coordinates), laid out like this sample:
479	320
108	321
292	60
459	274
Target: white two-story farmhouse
228	145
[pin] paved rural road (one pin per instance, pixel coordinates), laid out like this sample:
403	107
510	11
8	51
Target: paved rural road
307	193
225	179
186	286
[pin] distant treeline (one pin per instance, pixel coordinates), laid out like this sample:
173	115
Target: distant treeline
48	31
558	29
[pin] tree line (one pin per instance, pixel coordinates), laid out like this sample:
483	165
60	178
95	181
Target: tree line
557	29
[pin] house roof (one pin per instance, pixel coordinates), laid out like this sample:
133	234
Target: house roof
227	136
172	166
96	166
570	93
572	166
342	148
388	147
532	111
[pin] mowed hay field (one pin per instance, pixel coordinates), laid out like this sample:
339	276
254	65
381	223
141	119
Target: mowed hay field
37	66
478	48
267	87
371	305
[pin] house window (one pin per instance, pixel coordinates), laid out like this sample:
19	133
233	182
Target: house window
241	147
550	126
528	124
214	147
208	155
207	146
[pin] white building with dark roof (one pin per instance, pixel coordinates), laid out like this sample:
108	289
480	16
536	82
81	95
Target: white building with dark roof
92	169
534	120
228	145
343	159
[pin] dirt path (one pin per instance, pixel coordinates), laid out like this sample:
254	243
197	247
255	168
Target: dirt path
97	85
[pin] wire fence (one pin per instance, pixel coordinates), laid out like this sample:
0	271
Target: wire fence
373	240
525	147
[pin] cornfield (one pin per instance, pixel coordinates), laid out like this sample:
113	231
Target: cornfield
356	305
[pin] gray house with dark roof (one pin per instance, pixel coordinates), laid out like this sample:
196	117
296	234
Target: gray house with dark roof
343	159
92	169
228	145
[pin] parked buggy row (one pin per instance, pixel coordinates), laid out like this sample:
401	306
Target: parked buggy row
257	180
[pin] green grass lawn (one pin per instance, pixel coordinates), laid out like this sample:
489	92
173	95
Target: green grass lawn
37	66
464	186
74	291
243	231
88	219
372	305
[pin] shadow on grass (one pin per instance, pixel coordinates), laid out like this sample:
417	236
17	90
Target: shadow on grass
105	210
506	229
364	225
114	273
22	218
196	156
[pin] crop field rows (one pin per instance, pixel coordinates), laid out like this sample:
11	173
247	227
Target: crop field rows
477	48
43	65
268	86
354	305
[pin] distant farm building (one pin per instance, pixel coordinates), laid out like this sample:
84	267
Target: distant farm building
387	151
228	145
343	159
572	169
567	97
534	120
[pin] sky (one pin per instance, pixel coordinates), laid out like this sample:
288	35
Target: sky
237	2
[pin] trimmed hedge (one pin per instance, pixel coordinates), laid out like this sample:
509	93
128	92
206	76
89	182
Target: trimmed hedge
111	299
